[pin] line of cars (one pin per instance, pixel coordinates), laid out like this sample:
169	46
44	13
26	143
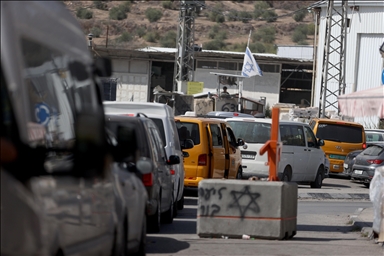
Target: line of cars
360	165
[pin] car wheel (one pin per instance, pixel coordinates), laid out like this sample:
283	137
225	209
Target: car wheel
366	185
239	175
167	217
318	180
175	209
180	203
287	174
153	221
143	240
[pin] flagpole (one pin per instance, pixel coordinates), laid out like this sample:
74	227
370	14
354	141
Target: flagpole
249	37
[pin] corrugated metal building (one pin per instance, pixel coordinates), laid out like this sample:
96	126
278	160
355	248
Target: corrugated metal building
364	64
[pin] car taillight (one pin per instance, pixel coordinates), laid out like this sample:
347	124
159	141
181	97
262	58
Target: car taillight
202	159
375	161
128	114
364	145
172	172
147	179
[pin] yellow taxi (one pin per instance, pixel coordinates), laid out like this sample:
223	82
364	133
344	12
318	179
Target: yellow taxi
212	150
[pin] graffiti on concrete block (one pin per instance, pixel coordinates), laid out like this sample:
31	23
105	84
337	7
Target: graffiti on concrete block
247	199
205	195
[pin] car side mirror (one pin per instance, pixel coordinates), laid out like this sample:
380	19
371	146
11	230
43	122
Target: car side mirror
187	144
320	142
240	142
245	146
173	160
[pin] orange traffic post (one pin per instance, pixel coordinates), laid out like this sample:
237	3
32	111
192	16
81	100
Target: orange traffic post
273	147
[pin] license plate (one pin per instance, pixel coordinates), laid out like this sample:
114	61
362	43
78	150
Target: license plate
346	166
358	172
246	156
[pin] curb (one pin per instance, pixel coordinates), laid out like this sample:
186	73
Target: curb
350	196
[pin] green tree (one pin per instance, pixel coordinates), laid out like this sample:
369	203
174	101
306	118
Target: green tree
300	15
140	31
311	29
117	13
151	37
83	13
96	31
257	47
153	14
245	16
265	34
99	5
168	40
269	15
259	8
125	37
215	44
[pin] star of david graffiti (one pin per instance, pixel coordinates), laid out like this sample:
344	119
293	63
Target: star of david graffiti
249	197
248	67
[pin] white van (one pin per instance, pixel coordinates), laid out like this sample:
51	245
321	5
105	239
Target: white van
163	117
302	160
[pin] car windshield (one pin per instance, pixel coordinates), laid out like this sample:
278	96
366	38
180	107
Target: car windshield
251	132
340	133
374	136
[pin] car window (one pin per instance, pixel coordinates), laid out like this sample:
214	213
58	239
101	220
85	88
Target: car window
160	152
159	123
251	132
193	131
292	135
374	136
231	137
339	133
373	151
217	139
311	138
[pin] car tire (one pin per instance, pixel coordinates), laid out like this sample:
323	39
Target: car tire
154	221
287	174
366	185
175	209
143	240
167	217
180	203
318	180
239	175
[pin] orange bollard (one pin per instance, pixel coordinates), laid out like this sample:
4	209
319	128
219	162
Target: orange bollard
273	147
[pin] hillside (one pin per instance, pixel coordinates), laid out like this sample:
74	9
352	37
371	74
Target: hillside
136	31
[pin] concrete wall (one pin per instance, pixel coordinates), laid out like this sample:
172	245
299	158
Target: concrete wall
259	209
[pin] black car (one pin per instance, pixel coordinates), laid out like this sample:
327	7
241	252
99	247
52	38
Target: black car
159	182
366	162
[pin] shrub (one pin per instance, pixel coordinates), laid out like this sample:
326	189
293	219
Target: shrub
259	9
298	36
99	5
169	40
125	37
270	48
245	16
83	13
269	15
153	15
300	15
151	37
140	31
233	15
257	47
311	29
216	15
215	44
302	28
125	6
213	31
96	31
117	13
265	34
167	4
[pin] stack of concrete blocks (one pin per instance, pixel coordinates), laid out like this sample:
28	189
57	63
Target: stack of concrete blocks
303	114
256	209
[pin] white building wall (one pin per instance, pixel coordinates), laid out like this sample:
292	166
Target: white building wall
132	80
300	52
363	60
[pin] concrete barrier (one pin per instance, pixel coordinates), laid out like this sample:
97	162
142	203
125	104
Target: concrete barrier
259	209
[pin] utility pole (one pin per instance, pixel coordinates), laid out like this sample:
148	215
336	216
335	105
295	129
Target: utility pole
184	58
333	70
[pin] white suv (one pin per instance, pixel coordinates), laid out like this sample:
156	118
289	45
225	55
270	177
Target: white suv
302	160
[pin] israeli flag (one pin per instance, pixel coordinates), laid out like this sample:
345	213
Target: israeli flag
250	67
